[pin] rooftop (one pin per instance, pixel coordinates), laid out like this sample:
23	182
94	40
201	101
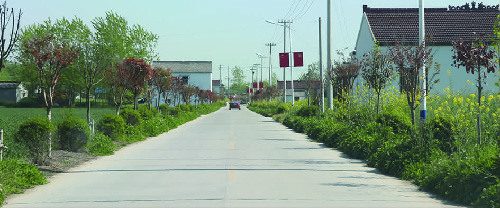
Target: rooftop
8	85
185	66
442	25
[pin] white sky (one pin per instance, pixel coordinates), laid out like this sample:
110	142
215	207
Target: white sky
227	32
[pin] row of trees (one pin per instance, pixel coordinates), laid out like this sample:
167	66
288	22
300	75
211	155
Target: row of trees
407	62
66	55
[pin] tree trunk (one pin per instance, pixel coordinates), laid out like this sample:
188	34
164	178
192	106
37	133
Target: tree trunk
135	102
378	101
87	95
479	90
49	117
118	110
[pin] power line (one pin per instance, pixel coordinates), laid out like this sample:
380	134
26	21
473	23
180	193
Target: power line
290	9
294	9
302	14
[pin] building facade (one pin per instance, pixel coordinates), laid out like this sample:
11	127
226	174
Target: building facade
12	91
193	73
443	26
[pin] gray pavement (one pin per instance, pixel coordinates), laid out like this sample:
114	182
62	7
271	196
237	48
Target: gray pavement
230	158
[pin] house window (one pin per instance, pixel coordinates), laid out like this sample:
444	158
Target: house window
185	79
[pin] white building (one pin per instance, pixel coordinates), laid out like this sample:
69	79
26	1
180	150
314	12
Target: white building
12	91
194	73
442	26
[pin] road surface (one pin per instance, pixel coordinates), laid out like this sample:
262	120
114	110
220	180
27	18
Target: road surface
230	158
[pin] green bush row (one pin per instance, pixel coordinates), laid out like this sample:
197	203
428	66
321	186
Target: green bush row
435	160
73	134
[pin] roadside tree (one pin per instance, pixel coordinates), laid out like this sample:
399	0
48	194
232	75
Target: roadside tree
7	16
313	82
377	70
48	58
474	56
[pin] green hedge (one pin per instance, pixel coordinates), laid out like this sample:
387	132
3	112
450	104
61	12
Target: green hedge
16	175
433	160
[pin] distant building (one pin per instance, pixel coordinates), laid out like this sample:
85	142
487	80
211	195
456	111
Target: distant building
299	87
217	87
194	73
12	91
442	27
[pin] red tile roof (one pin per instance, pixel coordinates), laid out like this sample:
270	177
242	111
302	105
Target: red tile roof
442	25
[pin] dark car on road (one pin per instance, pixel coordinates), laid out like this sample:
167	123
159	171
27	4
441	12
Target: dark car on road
234	104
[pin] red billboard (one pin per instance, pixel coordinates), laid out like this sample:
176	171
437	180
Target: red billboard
284	60
298	59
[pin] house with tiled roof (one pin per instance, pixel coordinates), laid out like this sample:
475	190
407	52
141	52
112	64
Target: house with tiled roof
12	91
442	27
194	73
299	88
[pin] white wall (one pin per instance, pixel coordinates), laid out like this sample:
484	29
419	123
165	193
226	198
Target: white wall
450	76
201	80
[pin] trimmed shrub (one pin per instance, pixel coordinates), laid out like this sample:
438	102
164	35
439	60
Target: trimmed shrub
100	145
73	133
163	109
400	124
146	113
186	108
308	111
154	127
34	134
174	111
282	109
28	102
442	133
112	126
131	117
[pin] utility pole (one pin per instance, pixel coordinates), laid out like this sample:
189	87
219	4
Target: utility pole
228	84
270	65
329	54
284	51
322	109
423	106
220	77
261	71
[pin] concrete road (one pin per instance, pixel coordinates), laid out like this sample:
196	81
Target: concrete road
231	158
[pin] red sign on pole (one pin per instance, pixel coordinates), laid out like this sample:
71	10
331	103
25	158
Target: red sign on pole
255	85
298	59
261	85
284	60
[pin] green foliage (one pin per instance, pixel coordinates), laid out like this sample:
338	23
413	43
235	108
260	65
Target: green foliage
443	134
464	177
308	111
131	117
489	197
146	113
12	118
400	124
186	108
16	175
73	133
164	109
443	157
112	126
34	135
100	145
